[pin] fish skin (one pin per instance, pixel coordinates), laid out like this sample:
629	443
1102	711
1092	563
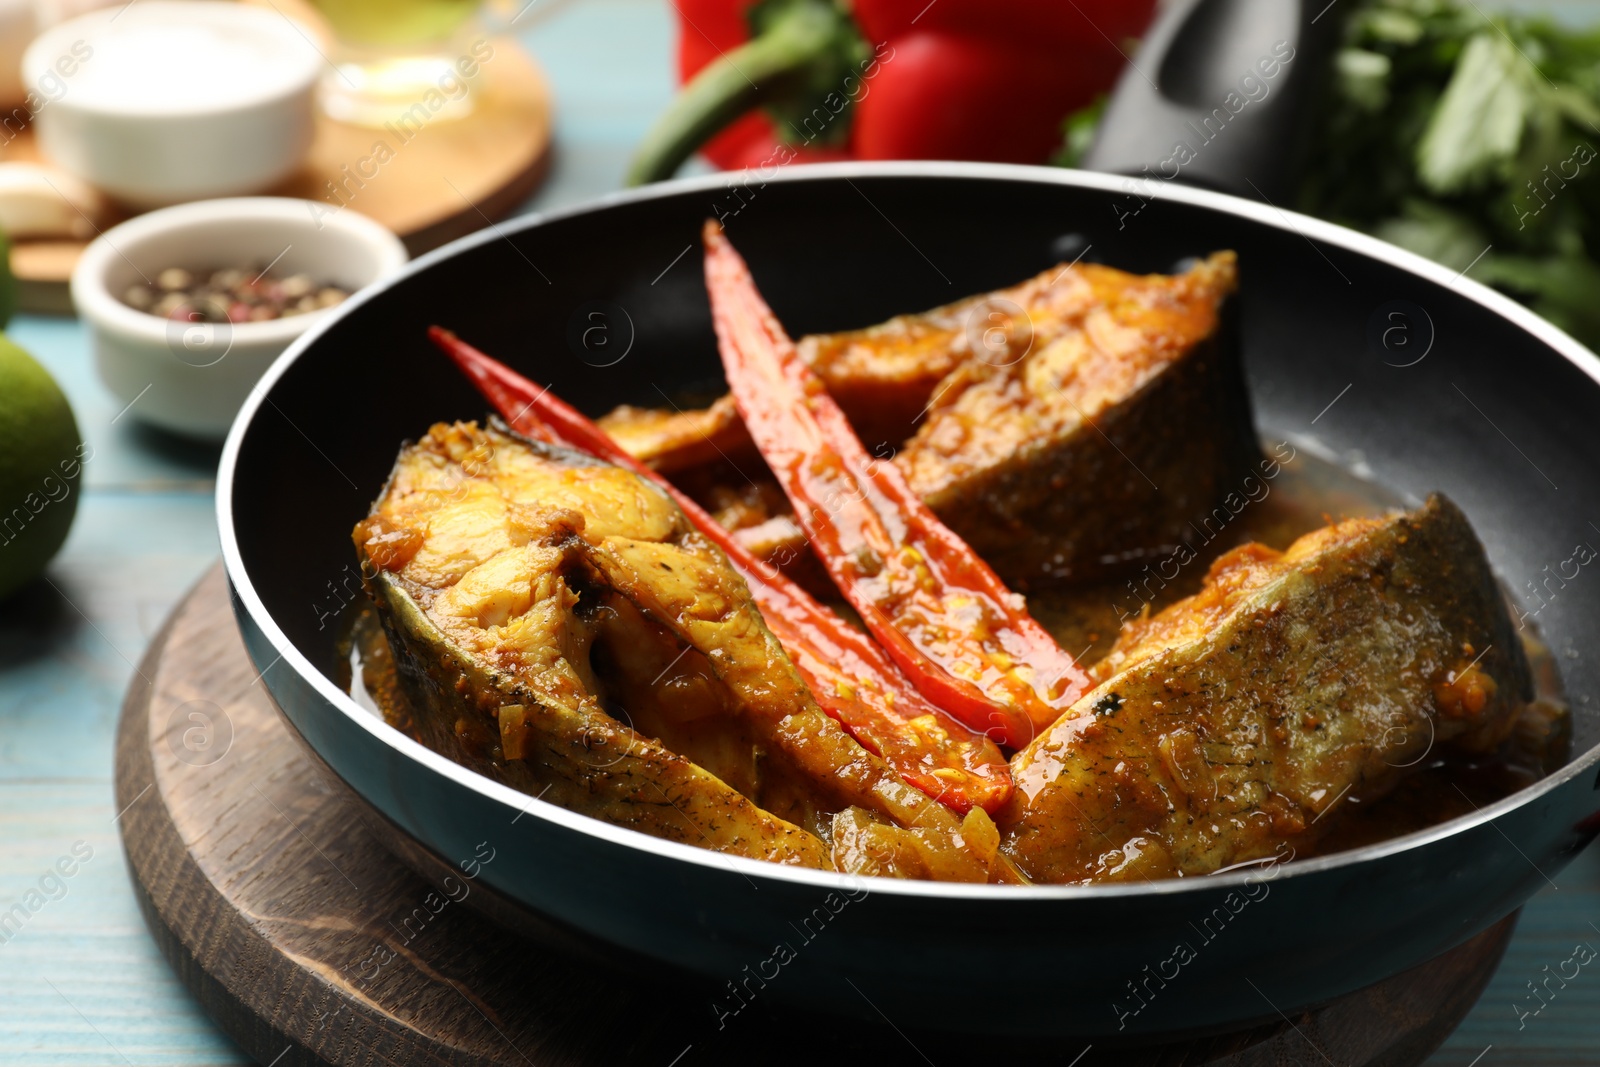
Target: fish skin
1236	721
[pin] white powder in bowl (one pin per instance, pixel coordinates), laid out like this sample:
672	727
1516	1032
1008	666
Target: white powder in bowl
161	58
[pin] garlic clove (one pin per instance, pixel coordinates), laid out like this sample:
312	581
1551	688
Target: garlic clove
42	202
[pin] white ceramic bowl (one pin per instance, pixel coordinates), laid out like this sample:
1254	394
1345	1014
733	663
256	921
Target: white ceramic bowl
192	378
164	101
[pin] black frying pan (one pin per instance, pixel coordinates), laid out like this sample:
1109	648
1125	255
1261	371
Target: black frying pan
1500	414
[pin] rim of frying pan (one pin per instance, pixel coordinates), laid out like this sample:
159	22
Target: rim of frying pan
1265	214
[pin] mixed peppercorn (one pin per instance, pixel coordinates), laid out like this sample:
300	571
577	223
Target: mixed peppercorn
231	295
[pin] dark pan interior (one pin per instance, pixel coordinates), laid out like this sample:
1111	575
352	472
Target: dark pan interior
1492	416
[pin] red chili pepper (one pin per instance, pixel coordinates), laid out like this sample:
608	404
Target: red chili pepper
778	81
850	677
935	606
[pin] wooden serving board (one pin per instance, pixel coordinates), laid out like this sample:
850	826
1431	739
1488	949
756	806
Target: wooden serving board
440	182
267	888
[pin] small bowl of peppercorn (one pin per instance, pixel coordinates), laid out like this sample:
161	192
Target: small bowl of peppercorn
188	305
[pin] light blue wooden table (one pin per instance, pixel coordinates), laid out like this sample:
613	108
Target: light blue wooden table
82	982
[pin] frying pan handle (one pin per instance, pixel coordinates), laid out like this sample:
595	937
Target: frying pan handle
1220	94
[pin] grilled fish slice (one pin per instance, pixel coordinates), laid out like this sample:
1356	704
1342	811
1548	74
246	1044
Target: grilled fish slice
1239	719
498	617
539	602
1062	426
1125	420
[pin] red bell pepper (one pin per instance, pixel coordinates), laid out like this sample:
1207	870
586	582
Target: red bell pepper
850	677
768	82
964	639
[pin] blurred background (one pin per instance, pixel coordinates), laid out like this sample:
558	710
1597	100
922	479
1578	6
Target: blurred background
142	299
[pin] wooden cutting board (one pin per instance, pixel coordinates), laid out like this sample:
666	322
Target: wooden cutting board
271	892
445	180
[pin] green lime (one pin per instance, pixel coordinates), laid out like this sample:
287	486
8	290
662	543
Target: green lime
41	460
